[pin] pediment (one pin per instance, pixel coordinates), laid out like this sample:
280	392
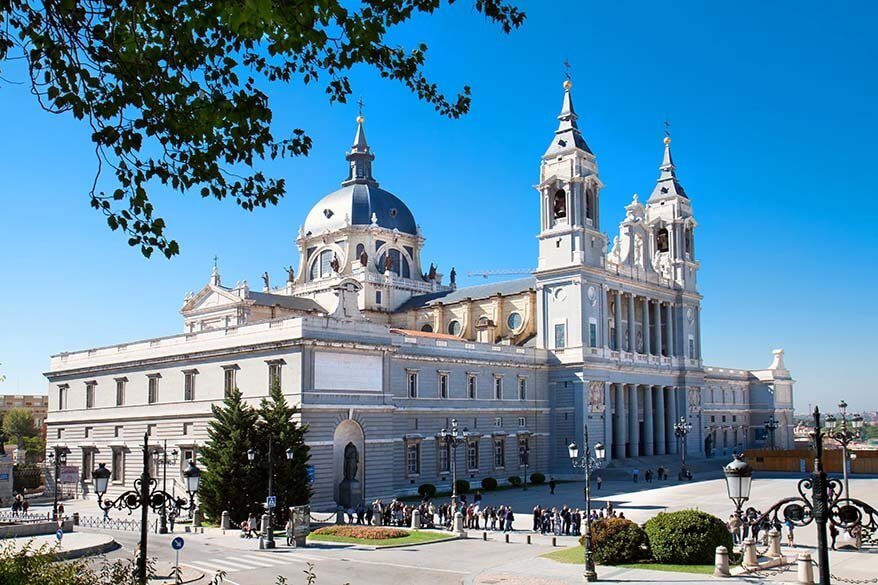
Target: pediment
209	297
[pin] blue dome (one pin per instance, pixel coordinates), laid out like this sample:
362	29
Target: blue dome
357	202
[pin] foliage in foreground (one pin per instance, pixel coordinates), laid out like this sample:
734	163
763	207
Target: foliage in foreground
618	540
687	537
370	532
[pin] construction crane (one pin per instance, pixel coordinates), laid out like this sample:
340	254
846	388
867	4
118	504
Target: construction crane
501	272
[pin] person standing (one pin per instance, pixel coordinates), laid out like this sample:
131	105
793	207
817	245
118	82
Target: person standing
288	529
790	539
552	485
599	481
634	474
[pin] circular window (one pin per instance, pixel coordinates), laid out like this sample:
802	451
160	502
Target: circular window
427	328
393	212
454	328
514	321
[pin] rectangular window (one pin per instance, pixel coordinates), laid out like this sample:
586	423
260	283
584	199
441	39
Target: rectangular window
117	432
118	465
692	347
58	433
150	430
523	451
499	453
593	334
498	421
187	428
444	458
413	384
88	464
120	391
86	432
724	418
472	455
734	418
498	388
413	458
712	418
62	396
522	388
90	394
189	385
443	385
377	297
560	336
274	374
471	386
229	379
188	455
153	396
522	422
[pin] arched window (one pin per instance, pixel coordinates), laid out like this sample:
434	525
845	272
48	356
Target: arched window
559	204
399	264
360	249
427	328
589	205
514	321
661	240
321	267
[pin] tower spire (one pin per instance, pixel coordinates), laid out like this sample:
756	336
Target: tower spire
360	157
567	136
667	184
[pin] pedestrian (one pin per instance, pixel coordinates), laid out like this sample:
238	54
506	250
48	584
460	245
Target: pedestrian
649	476
510	517
60	510
599	481
552	485
833	533
288	529
172	518
621	514
537	518
790	539
634	473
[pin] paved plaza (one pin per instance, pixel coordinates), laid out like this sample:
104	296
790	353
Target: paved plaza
492	561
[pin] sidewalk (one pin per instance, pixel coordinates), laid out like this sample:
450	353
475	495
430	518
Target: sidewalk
74	544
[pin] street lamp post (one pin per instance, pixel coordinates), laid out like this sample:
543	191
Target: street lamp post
739	478
58	457
145	496
161	458
838	431
588	463
452	440
268	542
681	429
771	425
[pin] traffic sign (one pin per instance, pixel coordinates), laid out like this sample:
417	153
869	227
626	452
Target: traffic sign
271	502
177	543
59	535
310	470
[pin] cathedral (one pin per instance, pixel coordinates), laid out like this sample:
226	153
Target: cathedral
381	352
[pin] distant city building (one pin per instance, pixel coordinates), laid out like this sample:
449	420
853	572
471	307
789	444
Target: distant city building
38	404
382	352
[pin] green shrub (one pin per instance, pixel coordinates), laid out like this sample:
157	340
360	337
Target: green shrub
427	489
617	541
514	480
462	486
489	484
537	478
687	537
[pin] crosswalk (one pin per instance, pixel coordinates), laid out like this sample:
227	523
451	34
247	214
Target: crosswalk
253	561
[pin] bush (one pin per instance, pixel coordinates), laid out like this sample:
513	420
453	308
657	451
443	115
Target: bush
687	537
514	480
537	478
427	489
489	484
370	532
462	486
617	541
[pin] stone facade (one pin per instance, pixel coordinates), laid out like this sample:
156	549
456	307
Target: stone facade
381	352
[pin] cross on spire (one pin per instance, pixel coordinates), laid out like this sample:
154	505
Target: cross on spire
566	68
215	258
667	126
360	105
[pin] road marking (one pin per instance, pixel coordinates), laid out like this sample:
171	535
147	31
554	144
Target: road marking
249	561
211	571
269	560
237	565
399	566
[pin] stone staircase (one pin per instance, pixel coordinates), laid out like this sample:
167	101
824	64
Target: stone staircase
620	469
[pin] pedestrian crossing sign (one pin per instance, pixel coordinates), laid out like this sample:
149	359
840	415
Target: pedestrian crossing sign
271	502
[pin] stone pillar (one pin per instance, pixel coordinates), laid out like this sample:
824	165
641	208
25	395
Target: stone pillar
721	562
633	424
605	322
620	424
658	328
774	544
416	519
751	559
609	438
659	425
632	338
672	340
618	319
648	429
670	419
647	341
804	569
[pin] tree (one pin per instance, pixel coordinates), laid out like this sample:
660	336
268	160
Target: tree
278	424
18	424
174	90
228	482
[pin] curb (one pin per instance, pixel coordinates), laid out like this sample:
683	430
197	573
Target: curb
97	549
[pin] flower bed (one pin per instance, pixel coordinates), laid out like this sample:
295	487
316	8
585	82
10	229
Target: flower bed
367	532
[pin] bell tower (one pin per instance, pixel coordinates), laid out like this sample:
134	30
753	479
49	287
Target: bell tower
569	197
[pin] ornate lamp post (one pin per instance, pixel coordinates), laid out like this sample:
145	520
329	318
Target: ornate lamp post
162	458
58	457
771	425
452	440
739	477
681	429
838	431
268	542
144	496
588	463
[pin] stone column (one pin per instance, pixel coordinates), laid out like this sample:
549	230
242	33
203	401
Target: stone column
672	350
632	339
670	419
620	424
609	438
658	328
648	430
618	318
605	324
659	403
633	424
647	345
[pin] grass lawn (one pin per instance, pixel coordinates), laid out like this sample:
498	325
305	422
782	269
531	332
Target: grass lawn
417	537
574	555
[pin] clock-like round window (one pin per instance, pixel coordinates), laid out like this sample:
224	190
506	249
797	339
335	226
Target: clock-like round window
454	327
514	321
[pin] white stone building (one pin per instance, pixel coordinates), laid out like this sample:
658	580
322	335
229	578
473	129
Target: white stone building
378	351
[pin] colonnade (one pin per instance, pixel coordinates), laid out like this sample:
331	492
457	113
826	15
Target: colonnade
651	334
640	419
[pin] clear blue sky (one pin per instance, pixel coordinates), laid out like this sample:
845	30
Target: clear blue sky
772	106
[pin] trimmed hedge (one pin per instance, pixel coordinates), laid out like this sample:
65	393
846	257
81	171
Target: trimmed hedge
489	484
462	486
537	478
371	532
514	481
427	489
687	537
617	541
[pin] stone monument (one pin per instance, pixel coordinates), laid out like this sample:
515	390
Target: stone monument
349	490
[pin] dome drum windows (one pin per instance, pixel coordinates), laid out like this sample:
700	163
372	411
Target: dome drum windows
324	265
395	261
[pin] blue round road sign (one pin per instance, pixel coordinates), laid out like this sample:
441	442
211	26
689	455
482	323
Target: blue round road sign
60	534
177	543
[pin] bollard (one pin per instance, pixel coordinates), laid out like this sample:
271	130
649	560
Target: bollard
263	524
416	519
225	521
339	515
721	562
554	541
458	525
750	557
76	518
484	536
507	537
528	538
197	518
774	544
805	570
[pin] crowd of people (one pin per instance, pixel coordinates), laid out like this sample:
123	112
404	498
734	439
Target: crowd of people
20	505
